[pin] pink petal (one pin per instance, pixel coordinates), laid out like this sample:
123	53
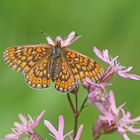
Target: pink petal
125	136
58	39
18	125
35	123
30	119
127	75
113	103
127	69
68	134
134	130
23	119
78	135
72	37
136	119
71	34
61	125
98	53
122	132
50	127
11	136
50	41
106	56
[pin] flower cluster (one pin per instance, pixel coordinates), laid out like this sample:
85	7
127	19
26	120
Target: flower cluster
27	128
112	118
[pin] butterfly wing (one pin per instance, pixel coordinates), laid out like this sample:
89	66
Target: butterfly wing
83	66
39	75
65	81
23	58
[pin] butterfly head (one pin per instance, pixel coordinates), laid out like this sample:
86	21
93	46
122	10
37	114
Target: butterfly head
72	37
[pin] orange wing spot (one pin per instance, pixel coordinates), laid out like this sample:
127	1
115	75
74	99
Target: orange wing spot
34	81
81	59
84	68
96	70
62	84
26	68
37	73
19	54
73	55
23	64
94	73
91	64
14	66
81	74
77	77
40	74
74	70
23	58
39	49
87	73
66	85
45	72
39	81
92	78
29	50
18	62
11	49
31	63
98	66
11	55
25	50
78	66
30	58
44	81
90	67
90	74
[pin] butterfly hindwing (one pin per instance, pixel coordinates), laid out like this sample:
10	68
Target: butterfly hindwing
65	81
39	75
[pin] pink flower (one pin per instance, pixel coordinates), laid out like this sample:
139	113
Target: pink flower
115	118
72	37
97	94
114	66
26	127
58	134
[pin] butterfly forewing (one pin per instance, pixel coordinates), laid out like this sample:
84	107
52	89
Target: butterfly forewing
83	66
23	58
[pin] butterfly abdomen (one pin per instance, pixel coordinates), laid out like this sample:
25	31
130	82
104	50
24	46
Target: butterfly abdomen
55	65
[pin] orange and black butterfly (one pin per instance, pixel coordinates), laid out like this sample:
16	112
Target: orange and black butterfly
42	63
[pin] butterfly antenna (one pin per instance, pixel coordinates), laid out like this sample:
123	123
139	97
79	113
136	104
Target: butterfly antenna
44	33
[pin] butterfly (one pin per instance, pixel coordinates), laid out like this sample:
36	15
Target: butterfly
43	63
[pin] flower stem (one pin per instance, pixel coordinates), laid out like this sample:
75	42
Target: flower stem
76	112
76	115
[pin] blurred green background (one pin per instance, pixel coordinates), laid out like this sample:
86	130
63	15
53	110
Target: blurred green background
108	24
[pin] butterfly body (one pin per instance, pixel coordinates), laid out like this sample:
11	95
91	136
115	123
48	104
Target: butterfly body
43	63
57	53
